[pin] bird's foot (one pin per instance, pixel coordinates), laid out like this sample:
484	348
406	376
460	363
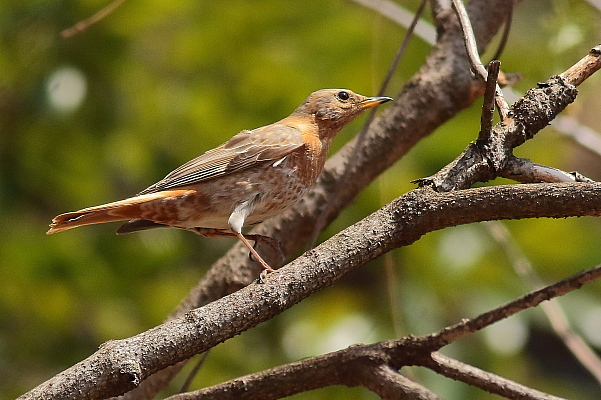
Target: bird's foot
253	255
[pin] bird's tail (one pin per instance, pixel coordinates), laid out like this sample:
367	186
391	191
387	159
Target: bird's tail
117	211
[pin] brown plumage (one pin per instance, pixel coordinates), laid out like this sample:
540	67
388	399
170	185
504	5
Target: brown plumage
255	175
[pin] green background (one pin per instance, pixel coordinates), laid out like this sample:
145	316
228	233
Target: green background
165	81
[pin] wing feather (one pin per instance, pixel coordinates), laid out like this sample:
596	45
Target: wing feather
245	150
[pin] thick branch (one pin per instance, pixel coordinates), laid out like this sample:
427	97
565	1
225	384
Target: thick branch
121	365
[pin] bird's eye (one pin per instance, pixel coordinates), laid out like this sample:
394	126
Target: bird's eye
343	96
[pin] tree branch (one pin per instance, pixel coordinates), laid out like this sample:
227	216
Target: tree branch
474	57
553	310
484	380
449	335
121	365
490	157
348	366
82	26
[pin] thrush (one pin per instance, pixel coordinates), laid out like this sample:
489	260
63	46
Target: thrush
255	175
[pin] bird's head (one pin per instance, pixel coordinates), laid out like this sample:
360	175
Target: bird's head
332	109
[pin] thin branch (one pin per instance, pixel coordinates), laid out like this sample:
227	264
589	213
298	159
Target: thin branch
82	26
394	65
525	171
384	358
530	300
190	378
472	51
504	36
484	380
584	68
553	310
488	104
470	41
401	16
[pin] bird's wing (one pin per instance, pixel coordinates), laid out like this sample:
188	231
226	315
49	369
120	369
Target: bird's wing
245	150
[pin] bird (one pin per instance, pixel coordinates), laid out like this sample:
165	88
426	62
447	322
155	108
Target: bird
255	175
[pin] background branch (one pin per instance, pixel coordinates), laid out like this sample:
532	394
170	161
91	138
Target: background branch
82	26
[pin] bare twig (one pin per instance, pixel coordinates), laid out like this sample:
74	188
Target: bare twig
488	104
394	65
525	171
472	51
470	41
584	68
533	299
85	24
553	310
484	380
402	17
190	378
504	36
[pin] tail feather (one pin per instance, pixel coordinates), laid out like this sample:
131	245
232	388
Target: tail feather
136	225
117	211
79	218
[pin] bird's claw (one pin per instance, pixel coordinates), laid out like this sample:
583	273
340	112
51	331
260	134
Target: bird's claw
263	275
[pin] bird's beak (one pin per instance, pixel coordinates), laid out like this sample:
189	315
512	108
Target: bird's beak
374	101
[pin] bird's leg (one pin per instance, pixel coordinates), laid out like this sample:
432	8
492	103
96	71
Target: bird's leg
207	232
273	243
256	257
236	222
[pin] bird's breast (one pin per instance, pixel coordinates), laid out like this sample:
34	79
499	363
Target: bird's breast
272	188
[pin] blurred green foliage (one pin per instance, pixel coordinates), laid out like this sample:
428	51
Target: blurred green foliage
163	82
